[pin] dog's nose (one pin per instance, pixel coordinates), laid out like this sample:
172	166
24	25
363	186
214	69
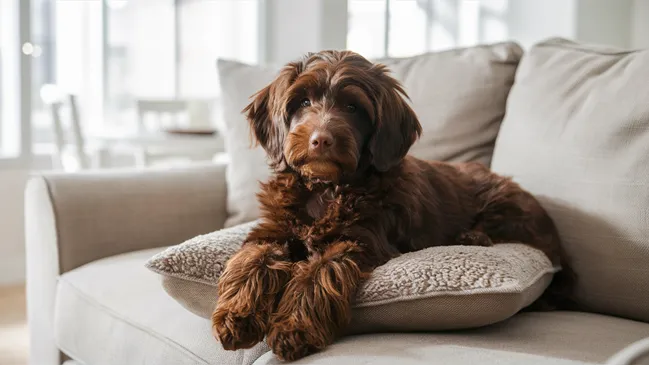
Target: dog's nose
321	141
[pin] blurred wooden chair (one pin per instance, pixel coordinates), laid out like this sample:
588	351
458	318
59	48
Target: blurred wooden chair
159	115
69	155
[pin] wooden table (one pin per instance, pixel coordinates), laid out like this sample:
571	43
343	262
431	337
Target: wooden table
146	145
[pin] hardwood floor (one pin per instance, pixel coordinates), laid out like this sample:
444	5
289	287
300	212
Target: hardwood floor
13	326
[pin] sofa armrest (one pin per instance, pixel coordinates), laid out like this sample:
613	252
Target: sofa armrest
101	214
635	354
74	219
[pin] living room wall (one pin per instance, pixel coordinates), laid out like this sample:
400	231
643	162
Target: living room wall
640	24
12	252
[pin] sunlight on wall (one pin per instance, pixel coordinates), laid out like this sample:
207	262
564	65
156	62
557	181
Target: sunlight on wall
409	28
366	27
417	26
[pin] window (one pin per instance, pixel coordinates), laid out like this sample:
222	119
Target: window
14	66
110	53
140	56
366	27
65	53
209	30
42	49
168	49
113	52
409	27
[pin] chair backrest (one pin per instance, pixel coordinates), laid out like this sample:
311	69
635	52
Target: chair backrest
166	113
78	141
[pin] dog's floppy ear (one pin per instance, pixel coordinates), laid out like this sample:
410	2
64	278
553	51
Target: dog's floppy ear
262	128
396	124
267	113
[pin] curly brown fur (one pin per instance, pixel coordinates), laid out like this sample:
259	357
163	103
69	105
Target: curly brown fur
316	303
340	205
247	291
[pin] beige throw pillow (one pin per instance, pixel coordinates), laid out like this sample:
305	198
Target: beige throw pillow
438	288
576	134
459	96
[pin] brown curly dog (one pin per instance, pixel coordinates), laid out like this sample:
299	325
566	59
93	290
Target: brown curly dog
345	198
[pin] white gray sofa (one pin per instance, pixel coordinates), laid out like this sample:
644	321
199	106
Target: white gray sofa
91	299
574	131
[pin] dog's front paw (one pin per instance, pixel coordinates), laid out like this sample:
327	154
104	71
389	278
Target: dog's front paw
290	344
236	331
247	290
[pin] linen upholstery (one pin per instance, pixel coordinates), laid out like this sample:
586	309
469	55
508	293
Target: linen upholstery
248	166
110	208
466	286
576	135
419	353
528	338
459	96
635	354
576	336
113	311
41	251
74	219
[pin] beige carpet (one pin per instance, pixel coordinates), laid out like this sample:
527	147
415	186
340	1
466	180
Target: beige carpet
13	326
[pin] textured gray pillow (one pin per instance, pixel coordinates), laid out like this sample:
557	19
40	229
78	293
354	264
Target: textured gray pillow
438	288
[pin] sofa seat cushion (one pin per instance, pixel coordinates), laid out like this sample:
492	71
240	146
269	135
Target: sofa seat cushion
114	311
557	338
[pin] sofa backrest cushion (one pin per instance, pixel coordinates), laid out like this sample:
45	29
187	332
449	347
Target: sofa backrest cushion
576	134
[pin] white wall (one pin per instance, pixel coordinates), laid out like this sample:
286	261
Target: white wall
592	21
300	26
640	21
530	21
12	247
291	35
604	21
296	27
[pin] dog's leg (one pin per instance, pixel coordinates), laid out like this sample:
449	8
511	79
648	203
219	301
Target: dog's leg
248	289
316	304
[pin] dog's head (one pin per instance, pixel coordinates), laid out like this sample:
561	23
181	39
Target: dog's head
331	112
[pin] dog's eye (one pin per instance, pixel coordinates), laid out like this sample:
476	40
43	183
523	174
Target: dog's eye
351	108
305	102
